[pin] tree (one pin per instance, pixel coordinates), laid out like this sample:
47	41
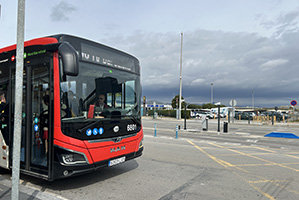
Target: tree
209	106
194	106
175	102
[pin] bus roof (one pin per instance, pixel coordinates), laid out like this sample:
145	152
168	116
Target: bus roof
71	38
60	38
37	41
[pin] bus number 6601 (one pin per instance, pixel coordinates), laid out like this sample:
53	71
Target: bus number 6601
131	127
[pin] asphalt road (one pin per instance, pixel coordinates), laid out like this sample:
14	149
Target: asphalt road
240	164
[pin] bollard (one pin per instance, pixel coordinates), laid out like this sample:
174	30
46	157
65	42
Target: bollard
225	127
176	132
207	124
204	124
155	130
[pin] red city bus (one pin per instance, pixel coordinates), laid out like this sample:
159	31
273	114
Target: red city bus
81	107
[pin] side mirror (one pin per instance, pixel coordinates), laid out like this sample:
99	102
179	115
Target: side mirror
70	59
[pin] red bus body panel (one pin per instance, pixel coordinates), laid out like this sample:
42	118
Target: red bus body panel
107	150
39	41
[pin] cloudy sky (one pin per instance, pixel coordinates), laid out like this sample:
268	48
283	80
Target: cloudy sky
246	48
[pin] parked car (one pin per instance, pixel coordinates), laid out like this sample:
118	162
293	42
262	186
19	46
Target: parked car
278	115
243	115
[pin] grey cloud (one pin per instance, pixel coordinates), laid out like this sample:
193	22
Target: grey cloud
236	63
61	11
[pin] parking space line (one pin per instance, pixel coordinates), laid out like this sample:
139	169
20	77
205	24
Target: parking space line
263	149
227	155
253	165
259	154
257	158
226	164
292	156
221	162
234	154
266	164
250	147
267	181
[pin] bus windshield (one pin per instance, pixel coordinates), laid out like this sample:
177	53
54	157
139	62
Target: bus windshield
99	93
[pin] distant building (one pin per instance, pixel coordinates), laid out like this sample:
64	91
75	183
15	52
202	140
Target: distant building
158	106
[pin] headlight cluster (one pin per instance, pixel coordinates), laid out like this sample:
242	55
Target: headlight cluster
141	144
72	159
68	157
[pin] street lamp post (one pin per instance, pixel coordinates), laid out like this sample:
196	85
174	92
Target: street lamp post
180	99
211	93
252	100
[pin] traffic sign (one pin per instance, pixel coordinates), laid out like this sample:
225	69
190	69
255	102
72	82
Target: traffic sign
293	103
233	102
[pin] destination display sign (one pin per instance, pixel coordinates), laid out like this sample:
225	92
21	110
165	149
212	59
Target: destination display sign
104	57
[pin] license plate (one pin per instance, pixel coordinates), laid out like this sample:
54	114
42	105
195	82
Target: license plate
116	161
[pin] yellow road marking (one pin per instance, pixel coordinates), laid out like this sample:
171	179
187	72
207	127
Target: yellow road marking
259	154
263	149
292	156
251	183
267	181
221	162
257	158
266	164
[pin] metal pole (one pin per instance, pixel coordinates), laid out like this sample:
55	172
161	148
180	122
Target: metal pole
233	109
212	93
155	130
252	100
180	100
219	118
18	101
144	108
176	132
185	121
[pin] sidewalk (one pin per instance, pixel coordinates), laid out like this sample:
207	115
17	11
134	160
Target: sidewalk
235	121
25	193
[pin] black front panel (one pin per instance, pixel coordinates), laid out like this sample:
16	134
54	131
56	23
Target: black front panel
101	129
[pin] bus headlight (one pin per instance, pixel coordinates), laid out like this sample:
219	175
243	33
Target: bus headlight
70	157
141	144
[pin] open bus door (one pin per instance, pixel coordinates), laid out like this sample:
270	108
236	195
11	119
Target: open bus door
36	138
4	153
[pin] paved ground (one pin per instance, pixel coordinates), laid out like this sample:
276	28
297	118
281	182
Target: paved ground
26	192
240	164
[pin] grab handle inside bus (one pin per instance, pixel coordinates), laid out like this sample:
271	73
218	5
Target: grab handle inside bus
70	59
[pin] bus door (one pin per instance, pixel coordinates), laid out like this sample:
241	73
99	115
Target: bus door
36	118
